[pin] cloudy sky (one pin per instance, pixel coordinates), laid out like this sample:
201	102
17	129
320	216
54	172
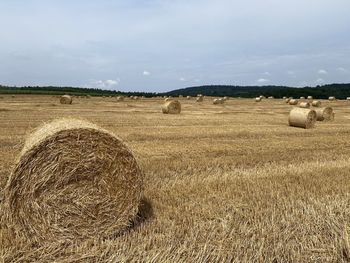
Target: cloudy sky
160	45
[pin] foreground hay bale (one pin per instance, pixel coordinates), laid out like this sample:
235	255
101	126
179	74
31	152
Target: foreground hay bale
305	105
171	107
293	102
316	103
325	114
66	99
302	118
73	180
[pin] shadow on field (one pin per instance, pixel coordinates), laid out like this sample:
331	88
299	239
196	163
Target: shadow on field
145	213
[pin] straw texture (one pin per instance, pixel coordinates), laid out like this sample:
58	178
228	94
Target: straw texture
302	118
72	181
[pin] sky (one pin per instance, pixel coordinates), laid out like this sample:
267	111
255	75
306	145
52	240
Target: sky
161	45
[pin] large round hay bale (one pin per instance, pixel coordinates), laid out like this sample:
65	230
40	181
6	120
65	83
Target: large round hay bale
331	98
303	118
199	99
171	107
66	99
316	103
310	98
324	114
258	99
293	102
73	180
348	98
305	105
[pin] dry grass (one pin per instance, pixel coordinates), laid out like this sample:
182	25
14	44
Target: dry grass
230	184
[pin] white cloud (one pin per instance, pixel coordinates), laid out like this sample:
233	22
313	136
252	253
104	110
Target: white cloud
182	79
104	84
146	73
342	70
322	72
263	80
266	73
320	81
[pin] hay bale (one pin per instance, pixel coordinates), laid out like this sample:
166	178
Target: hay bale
271	97
171	107
348	98
218	101
167	99
66	99
72	181
332	98
287	100
120	98
324	114
302	98
316	103
293	102
310	98
258	99
302	118
188	97
199	99
284	97
305	105
225	98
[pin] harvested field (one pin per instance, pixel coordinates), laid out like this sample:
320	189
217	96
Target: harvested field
232	183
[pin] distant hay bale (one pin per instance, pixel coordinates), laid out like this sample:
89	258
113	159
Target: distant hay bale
258	99
287	100
72	181
348	98
262	97
284	97
302	98
310	98
225	98
332	98
316	103
171	107
271	97
293	102
120	98
66	99
302	118
135	97
324	114
218	101
199	99
188	97
305	105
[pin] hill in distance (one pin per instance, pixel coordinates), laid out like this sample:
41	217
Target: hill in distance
340	91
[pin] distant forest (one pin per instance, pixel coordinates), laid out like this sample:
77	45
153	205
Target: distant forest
340	91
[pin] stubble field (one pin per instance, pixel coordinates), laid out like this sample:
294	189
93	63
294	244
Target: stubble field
223	183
